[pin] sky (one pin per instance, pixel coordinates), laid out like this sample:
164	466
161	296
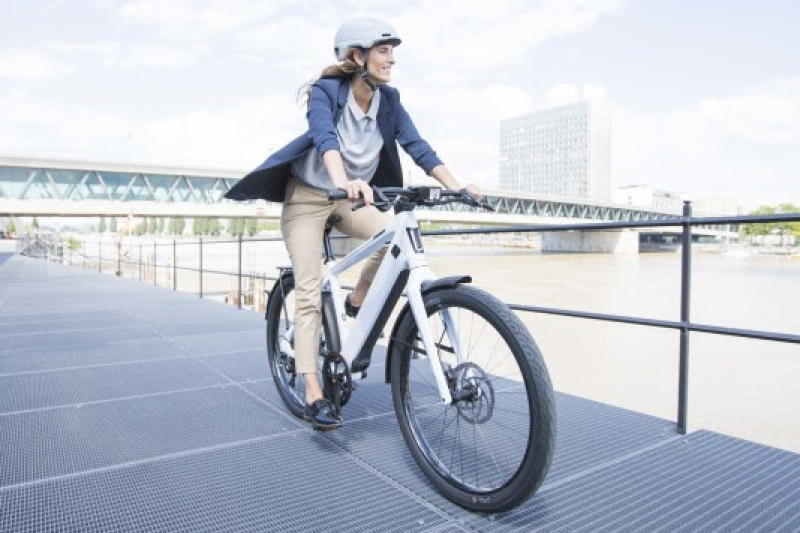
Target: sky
704	95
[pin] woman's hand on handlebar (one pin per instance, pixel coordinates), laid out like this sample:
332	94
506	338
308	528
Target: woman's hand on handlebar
473	191
357	190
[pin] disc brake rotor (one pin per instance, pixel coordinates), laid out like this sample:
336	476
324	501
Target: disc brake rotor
476	405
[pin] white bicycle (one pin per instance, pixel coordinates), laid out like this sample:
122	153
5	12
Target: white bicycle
471	391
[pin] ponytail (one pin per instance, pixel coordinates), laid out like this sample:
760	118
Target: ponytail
343	70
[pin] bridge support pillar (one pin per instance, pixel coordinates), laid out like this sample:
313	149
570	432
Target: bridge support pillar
608	241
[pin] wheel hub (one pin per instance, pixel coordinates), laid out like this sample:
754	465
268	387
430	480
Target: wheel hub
473	393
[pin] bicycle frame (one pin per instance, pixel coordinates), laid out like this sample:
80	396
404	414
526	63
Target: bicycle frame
405	257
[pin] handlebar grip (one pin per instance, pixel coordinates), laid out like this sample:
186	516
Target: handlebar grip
338	194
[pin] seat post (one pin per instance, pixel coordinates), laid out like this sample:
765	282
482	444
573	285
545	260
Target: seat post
326	237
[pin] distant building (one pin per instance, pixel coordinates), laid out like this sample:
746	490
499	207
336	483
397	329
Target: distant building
714	204
647	196
561	151
672	202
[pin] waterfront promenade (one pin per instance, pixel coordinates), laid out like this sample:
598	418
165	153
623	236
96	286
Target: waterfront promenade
125	406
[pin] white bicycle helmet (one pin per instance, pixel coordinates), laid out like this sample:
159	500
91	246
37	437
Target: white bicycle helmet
363	33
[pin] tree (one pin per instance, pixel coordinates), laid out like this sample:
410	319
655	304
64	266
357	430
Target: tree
35	223
199	226
151	225
11	228
113	224
236	226
176	226
160	225
213	226
252	227
767	228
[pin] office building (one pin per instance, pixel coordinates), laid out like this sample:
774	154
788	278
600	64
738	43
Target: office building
561	151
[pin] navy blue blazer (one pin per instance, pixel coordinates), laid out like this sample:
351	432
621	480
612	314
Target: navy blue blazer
327	101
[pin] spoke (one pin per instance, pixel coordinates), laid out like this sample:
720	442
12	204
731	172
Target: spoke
499	338
441	440
423	377
501	360
455	437
512	390
494	460
478	338
432	420
471	321
460	450
475	454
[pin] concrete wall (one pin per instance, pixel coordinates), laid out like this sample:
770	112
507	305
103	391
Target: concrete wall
609	242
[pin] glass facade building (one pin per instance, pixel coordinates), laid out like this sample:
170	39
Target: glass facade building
562	151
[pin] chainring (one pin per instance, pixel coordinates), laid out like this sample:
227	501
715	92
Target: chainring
337	382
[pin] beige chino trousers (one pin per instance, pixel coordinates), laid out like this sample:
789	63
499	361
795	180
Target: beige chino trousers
305	211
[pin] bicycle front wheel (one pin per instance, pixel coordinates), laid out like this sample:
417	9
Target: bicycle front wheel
491	448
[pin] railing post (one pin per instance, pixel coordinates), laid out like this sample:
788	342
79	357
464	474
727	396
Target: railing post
174	266
240	271
686	300
155	277
201	267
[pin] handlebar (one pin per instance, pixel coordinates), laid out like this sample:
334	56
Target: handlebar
388	197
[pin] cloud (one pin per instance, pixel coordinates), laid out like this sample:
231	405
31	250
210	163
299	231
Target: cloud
31	66
238	136
722	144
765	114
478	35
162	56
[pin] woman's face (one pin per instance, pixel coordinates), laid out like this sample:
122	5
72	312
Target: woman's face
381	60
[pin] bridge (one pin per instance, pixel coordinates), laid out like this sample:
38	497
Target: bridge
42	187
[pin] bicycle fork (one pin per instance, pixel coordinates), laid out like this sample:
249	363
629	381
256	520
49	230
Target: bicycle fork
415	301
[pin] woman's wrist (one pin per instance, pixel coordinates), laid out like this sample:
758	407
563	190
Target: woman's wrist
443	176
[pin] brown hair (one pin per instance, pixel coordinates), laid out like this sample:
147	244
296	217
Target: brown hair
342	70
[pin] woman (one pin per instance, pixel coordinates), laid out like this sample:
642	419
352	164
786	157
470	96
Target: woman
355	123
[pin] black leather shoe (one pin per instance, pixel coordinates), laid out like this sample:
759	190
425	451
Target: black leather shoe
349	308
322	415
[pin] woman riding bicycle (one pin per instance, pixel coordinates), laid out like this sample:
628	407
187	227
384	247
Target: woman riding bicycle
355	122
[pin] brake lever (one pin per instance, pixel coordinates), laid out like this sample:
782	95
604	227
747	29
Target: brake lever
470	199
380	201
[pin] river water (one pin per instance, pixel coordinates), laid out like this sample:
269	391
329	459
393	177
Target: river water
739	387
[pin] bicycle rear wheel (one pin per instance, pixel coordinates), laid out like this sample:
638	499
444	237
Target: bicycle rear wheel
491	448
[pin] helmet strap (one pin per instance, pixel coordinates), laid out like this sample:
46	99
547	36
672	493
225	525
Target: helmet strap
365	72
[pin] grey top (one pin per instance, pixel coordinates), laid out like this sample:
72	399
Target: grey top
360	143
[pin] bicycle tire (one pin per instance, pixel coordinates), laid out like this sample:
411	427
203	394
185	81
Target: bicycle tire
534	451
277	309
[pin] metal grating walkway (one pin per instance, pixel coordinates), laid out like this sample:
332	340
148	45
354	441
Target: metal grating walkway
125	406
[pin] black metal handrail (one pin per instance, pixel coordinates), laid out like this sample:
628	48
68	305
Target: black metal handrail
684	325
